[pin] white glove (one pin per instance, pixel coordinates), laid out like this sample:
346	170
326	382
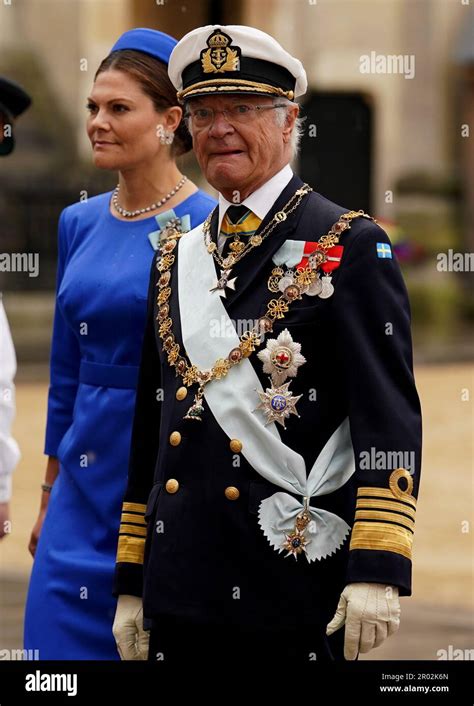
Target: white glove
132	640
371	612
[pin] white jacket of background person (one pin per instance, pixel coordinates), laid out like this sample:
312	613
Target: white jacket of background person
9	451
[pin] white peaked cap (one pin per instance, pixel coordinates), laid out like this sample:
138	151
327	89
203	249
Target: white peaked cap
219	59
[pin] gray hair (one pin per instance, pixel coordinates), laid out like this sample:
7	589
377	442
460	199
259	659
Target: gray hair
280	118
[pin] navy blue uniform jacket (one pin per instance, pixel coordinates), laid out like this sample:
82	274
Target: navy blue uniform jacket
212	561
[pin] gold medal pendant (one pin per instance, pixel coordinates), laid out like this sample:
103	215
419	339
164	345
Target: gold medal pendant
296	541
197	408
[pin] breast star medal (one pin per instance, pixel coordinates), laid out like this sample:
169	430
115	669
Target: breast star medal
277	403
281	359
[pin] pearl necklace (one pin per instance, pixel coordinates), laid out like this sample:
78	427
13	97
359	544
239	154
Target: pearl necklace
153	207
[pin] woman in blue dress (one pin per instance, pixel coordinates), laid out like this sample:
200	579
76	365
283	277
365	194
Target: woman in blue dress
106	245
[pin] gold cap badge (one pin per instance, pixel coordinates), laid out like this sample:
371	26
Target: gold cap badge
219	57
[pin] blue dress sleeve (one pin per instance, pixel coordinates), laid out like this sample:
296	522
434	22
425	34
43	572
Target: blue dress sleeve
203	206
64	362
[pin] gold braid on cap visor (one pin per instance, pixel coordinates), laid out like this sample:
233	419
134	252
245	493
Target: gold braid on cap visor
231	85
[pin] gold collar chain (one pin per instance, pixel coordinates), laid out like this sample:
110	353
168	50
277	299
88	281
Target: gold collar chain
304	280
258	237
248	341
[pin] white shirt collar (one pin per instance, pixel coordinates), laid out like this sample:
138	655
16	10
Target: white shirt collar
261	200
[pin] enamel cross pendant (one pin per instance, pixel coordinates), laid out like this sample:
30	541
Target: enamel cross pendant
223	282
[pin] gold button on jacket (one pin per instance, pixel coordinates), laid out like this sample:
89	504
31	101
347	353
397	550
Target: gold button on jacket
235	445
232	493
175	438
172	485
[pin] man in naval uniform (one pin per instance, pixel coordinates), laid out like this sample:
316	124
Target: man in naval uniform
276	446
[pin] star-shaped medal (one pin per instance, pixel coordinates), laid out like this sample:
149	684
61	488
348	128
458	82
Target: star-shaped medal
282	357
224	282
277	403
295	544
296	541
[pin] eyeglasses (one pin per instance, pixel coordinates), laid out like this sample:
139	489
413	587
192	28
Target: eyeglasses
237	114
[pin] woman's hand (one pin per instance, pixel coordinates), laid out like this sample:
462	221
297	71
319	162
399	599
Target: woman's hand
36	531
52	470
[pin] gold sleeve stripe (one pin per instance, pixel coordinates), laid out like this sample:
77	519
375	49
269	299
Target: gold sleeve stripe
130	550
384	493
385	516
383	537
386	505
134	507
138	519
133	529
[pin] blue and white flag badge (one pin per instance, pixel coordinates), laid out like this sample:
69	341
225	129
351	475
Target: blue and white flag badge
384	250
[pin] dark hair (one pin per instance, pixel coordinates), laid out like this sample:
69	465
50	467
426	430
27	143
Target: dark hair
152	76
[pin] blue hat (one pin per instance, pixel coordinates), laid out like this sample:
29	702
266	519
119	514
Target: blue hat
149	41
